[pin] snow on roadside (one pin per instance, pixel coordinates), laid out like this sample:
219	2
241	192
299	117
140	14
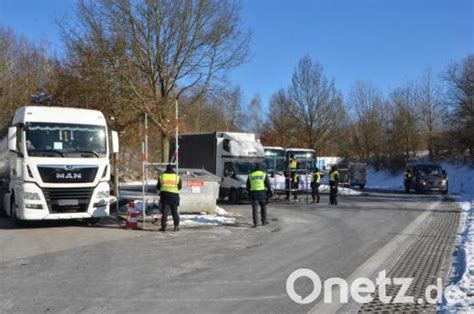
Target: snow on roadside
324	188
222	212
221	217
205	220
384	179
459	296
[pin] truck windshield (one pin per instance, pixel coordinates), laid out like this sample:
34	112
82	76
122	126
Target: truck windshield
244	167
275	164
61	140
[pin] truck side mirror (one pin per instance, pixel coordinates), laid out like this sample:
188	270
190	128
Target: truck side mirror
115	142
12	139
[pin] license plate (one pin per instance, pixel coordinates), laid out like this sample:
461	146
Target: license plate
434	189
68	202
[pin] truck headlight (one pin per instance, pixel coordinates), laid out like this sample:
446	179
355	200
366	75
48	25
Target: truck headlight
443	182
103	194
32	196
34	206
422	182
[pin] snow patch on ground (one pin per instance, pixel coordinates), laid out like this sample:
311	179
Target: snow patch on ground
205	220
384	179
324	188
461	179
222	217
459	295
221	211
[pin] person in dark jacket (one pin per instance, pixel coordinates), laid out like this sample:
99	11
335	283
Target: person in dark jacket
333	185
169	184
258	186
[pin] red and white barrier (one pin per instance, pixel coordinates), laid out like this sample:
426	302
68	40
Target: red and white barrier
132	220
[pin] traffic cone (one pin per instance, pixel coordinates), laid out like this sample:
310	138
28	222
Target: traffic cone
132	221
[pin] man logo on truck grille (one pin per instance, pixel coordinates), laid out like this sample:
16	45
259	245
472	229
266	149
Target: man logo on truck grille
69	176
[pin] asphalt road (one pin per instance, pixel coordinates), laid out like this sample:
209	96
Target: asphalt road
72	267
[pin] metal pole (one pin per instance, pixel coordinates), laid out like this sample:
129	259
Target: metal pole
117	190
306	184
143	184
290	183
274	175
176	144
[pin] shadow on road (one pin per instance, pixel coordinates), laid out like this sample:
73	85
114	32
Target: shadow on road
107	222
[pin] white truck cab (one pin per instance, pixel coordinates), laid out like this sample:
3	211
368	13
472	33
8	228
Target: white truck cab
55	164
229	155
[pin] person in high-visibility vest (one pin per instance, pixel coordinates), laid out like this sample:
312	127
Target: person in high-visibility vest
333	183
292	163
315	183
169	184
258	186
292	182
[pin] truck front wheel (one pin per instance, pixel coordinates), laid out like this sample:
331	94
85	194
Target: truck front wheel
13	213
233	197
3	211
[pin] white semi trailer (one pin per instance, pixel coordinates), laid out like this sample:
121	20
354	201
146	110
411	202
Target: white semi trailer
55	164
229	155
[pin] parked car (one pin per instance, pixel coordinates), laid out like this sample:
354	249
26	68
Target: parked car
426	177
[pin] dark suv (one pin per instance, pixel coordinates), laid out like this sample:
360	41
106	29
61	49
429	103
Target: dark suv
426	177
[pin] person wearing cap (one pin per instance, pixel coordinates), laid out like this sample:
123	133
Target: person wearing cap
169	184
258	186
315	183
333	184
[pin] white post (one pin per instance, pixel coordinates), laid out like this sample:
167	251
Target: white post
176	152
146	154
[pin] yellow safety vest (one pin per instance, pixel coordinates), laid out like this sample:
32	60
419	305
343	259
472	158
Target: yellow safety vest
317	177
169	183
257	181
332	175
295	177
293	164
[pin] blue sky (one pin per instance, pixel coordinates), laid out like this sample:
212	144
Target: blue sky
385	42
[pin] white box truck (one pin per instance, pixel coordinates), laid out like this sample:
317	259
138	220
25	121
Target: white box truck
229	155
55	164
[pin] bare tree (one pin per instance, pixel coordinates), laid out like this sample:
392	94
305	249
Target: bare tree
367	108
166	49
281	126
254	116
404	129
431	107
318	102
460	77
25	70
